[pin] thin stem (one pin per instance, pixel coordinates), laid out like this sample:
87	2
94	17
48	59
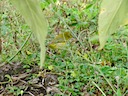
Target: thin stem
62	19
20	47
99	88
103	76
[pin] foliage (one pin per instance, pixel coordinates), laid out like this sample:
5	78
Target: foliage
15	90
111	18
81	68
31	12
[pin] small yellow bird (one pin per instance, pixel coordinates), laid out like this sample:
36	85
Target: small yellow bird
60	40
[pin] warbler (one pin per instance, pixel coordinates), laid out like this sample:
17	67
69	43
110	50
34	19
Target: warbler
60	40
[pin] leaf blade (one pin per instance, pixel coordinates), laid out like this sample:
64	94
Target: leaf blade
111	17
31	11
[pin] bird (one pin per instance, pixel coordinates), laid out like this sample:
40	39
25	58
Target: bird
60	40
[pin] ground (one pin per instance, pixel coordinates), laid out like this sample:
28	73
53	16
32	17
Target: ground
74	67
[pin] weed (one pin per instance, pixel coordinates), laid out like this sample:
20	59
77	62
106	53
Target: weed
83	70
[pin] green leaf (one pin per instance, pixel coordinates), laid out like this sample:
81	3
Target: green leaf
31	11
119	92
113	14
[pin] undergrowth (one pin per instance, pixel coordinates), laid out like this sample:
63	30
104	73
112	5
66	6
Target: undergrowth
83	69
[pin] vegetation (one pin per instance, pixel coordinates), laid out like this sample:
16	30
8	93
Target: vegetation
73	65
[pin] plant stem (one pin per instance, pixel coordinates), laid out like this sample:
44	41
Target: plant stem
20	47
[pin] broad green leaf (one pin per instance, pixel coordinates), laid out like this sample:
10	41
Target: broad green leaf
31	11
113	14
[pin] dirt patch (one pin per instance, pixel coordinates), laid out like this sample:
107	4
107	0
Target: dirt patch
16	81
